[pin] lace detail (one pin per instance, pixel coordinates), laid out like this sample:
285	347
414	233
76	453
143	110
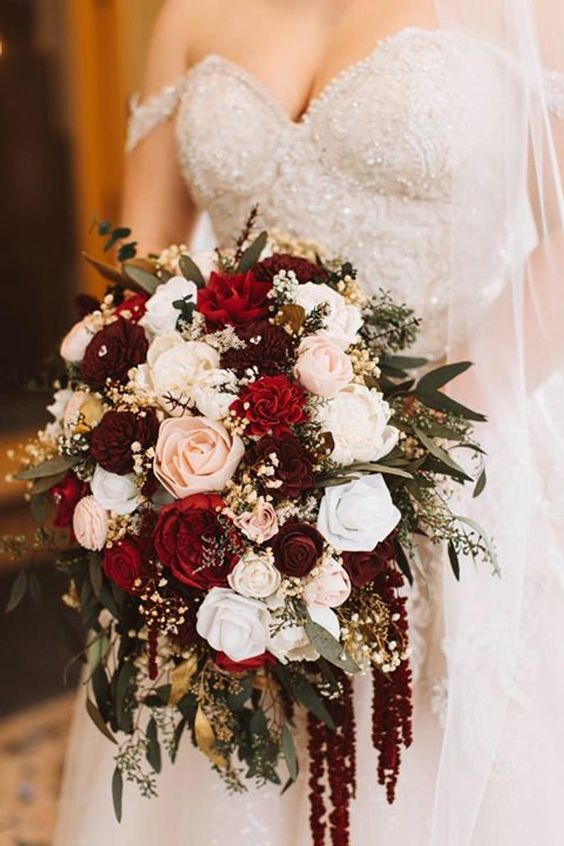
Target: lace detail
554	92
144	117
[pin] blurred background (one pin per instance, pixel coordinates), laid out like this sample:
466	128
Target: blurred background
67	69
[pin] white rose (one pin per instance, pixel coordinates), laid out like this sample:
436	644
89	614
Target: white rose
291	643
255	575
358	515
357	417
114	493
213	397
234	624
343	320
160	316
76	340
176	367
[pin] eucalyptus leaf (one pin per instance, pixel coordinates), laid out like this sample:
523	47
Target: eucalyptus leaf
431	382
329	647
34	586
39	504
191	271
454	562
487	542
127	672
142	277
43	485
95	572
298	687
106	271
98	720
439	453
441	402
403	562
252	254
289	751
117	793
17	591
480	483
153	748
51	467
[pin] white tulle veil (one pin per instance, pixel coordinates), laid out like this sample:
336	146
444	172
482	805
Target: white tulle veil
506	308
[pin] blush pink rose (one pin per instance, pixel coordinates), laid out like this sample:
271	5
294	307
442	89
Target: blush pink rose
322	367
195	455
260	524
90	524
330	587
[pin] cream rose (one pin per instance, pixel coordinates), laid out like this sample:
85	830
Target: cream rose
114	493
160	316
73	345
255	574
234	624
260	524
357	417
358	515
322	367
343	320
329	587
90	523
290	643
175	367
214	396
195	455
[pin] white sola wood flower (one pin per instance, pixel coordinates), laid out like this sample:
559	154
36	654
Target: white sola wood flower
356	516
160	314
234	624
342	321
114	493
255	574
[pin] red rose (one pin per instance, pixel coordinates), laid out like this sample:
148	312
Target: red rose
297	548
268	347
198	545
272	404
135	305
267	659
293	465
305	270
123	564
66	494
233	300
117	431
364	567
113	351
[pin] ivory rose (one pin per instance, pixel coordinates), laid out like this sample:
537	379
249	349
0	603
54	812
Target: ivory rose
73	345
357	515
255	575
160	314
233	624
195	455
90	524
329	587
260	524
114	493
343	320
322	367
175	367
357	417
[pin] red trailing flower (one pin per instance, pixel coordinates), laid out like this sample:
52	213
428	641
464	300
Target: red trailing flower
363	567
268	347
292	462
305	270
113	351
225	663
134	305
297	548
272	405
233	300
66	495
112	439
123	564
198	544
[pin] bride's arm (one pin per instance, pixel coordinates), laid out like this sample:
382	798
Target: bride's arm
156	203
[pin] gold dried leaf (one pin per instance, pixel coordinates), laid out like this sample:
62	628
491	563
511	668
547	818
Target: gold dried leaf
291	317
205	738
180	679
92	409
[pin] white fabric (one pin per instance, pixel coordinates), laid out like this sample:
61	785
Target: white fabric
409	165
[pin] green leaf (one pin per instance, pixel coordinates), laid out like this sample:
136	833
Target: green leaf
399	364
95	572
104	227
39	505
302	691
329	647
163	692
116	235
34	587
487	542
252	254
41	486
106	271
127	252
480	483
98	720
126	674
289	751
51	467
178	732
403	562
431	382
441	454
454	562
153	748
440	402
17	592
98	649
117	793
191	271
379	468
141	277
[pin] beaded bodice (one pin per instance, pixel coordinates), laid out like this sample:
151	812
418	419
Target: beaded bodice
366	172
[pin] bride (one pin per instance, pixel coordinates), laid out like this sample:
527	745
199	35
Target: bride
420	138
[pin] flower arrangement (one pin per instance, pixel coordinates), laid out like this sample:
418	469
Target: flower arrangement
234	479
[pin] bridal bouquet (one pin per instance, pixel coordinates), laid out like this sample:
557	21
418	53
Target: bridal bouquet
239	466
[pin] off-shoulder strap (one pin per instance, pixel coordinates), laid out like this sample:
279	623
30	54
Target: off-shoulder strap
144	117
554	92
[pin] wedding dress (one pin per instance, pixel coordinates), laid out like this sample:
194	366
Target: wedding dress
367	172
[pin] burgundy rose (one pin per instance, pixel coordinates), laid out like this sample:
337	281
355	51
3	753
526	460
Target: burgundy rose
113	351
117	431
255	663
305	270
268	347
297	548
134	305
66	495
364	567
272	404
198	545
123	564
292	461
233	300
